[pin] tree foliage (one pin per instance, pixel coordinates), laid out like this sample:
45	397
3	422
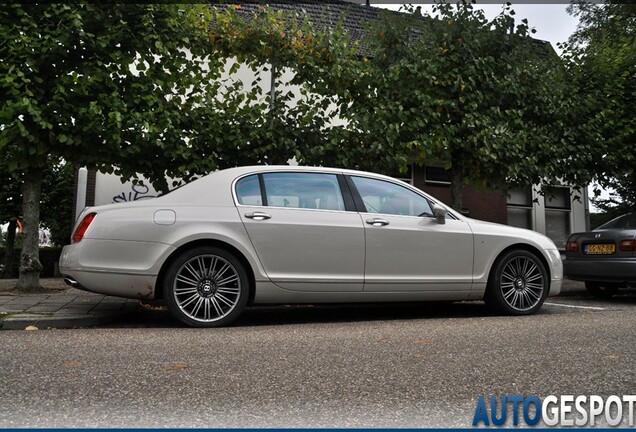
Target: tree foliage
100	85
602	57
57	202
477	95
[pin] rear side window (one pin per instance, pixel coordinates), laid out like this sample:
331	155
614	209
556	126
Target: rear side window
248	191
303	190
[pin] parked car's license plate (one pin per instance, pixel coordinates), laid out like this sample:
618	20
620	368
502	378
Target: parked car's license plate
600	249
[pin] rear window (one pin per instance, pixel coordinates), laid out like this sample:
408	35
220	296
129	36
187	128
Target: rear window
627	221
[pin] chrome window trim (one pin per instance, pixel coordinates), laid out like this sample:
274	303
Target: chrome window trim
347	174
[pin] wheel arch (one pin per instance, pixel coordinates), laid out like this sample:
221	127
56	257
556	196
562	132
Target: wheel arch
526	247
159	284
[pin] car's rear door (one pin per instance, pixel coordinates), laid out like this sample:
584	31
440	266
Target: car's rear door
305	231
406	249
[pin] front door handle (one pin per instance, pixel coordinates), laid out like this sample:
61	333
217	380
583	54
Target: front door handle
259	216
377	222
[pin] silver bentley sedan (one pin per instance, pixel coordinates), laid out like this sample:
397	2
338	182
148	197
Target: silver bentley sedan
284	234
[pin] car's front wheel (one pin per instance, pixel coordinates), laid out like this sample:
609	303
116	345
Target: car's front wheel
518	283
206	287
601	290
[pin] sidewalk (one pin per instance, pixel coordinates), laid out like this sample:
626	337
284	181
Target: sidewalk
59	307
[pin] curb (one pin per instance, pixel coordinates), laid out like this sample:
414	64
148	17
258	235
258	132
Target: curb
20	321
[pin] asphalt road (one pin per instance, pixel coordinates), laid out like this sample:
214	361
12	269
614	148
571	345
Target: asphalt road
416	365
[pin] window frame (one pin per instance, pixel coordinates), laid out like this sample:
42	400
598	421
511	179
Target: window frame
555	209
436	182
527	207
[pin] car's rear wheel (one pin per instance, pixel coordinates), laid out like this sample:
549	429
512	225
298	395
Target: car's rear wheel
518	284
206	287
601	289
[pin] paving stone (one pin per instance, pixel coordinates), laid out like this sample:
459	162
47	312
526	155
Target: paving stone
20	306
87	300
40	309
59	300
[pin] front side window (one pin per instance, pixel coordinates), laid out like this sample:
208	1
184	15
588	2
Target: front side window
303	190
384	197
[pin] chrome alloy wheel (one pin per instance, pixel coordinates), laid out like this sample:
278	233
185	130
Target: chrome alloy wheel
207	288
522	283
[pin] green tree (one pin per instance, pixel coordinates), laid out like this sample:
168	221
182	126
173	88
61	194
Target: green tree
100	85
477	95
277	115
601	55
9	212
57	202
10	199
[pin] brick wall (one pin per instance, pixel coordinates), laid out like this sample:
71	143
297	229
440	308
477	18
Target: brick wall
487	205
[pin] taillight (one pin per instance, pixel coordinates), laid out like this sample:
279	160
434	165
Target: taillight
572	247
83	226
627	245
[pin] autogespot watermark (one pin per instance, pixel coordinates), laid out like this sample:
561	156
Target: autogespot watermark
560	411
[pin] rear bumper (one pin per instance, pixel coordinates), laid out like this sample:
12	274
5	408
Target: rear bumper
600	270
117	268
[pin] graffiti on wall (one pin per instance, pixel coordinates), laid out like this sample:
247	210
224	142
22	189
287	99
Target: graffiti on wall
137	192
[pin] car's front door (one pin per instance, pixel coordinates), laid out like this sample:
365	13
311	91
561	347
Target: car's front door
406	249
304	235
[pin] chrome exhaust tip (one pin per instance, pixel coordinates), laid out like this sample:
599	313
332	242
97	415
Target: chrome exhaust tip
70	281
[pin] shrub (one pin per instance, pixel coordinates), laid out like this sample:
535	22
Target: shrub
49	257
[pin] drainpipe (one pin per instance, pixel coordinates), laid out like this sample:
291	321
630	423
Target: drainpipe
272	94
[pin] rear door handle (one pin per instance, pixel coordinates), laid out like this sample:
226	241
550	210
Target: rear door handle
259	216
377	222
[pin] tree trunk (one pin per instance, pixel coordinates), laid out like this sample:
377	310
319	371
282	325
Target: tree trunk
457	182
30	266
8	251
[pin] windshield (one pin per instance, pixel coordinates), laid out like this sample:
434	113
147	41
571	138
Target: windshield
627	221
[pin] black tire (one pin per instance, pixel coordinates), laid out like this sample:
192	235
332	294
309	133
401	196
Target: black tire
601	290
206	287
518	284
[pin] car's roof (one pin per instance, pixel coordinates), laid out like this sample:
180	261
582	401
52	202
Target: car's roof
259	168
215	187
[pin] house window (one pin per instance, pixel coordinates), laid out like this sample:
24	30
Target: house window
406	177
557	215
520	207
437	175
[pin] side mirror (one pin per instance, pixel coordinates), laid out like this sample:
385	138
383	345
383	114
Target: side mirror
440	214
